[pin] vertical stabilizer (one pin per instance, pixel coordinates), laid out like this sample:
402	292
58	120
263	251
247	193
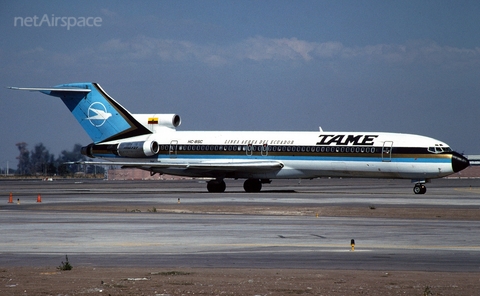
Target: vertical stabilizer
100	115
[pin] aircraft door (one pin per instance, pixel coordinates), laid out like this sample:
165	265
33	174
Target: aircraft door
172	151
255	150
264	150
249	150
387	151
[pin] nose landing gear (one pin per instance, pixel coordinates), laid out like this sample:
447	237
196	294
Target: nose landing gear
419	188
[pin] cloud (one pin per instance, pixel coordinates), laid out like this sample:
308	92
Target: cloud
144	49
108	13
254	49
259	48
328	49
422	52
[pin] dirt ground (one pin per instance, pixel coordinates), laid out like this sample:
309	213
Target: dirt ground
211	281
370	211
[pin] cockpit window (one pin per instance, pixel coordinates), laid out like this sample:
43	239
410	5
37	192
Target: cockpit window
439	148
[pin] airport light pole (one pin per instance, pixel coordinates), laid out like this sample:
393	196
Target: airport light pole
6	172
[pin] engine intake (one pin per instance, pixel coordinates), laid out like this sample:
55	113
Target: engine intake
158	122
169	120
138	149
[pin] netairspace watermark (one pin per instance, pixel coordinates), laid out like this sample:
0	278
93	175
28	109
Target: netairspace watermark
57	21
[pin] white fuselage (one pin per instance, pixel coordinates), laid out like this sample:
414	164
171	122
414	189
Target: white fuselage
302	154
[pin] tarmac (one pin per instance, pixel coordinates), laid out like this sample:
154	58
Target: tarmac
290	224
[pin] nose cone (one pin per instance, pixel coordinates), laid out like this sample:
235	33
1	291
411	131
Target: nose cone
459	162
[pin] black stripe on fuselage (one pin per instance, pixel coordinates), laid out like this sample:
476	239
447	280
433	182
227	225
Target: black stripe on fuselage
136	128
274	150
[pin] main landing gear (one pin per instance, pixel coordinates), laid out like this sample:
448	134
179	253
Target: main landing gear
217	185
419	188
250	185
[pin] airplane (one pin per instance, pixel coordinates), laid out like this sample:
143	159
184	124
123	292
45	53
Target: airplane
151	142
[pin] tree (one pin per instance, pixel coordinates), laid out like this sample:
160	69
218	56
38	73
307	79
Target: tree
23	167
70	156
41	161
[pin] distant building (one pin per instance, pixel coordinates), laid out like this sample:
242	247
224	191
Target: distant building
472	172
474	159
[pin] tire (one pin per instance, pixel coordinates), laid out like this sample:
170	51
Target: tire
216	186
419	189
252	185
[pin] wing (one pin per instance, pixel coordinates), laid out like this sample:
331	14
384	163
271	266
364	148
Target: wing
254	166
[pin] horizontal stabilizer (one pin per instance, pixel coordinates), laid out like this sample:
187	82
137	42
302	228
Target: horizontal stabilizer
47	89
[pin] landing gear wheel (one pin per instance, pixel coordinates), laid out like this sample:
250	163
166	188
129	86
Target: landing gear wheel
252	185
216	186
419	189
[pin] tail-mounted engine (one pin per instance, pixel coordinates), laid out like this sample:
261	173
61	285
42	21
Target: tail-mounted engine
127	149
156	122
138	149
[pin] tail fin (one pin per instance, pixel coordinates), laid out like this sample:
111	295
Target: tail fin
100	115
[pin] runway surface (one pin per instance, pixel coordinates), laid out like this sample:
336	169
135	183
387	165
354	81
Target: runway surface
179	224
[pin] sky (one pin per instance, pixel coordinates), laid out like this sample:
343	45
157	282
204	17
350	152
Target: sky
385	66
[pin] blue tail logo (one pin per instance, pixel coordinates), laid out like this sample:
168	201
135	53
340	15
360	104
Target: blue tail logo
97	114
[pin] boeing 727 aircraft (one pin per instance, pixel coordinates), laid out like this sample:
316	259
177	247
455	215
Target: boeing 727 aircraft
150	142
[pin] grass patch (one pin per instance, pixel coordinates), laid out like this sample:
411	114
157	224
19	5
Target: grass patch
65	265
